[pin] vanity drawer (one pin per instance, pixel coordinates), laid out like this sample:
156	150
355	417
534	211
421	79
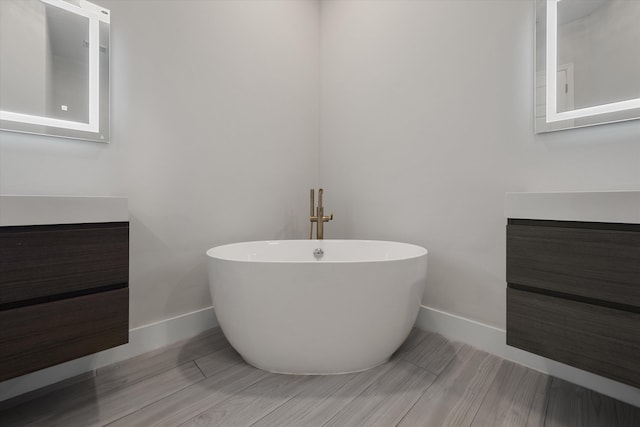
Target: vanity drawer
46	260
599	263
43	335
598	339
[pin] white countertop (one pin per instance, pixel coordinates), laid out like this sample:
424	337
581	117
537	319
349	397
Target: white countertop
39	210
592	206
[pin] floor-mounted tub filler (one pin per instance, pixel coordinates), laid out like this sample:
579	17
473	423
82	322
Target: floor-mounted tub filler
317	306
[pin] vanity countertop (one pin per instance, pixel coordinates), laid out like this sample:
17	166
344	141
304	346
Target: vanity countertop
591	206
37	210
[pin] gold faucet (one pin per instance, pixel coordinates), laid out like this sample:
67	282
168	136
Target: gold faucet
319	217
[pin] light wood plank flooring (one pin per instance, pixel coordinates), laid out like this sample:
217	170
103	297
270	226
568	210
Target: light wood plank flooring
430	381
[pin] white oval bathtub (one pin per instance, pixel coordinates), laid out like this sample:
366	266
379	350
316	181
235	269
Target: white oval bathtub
285	310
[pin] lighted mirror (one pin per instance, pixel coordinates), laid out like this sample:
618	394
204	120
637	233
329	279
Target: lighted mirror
54	68
587	62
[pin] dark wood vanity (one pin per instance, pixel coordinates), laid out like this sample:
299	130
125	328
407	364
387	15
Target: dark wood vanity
573	294
63	293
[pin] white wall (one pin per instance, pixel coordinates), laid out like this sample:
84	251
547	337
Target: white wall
214	138
428	113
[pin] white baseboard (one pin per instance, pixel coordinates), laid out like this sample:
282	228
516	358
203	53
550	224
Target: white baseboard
141	340
493	340
153	336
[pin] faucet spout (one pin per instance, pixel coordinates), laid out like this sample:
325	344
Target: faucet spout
312	194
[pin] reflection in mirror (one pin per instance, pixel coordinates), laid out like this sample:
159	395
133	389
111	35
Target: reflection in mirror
587	62
54	68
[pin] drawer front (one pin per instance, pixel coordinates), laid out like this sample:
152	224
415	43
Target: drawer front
43	335
41	261
591	263
601	340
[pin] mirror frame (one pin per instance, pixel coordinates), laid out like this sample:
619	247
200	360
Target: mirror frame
599	114
94	129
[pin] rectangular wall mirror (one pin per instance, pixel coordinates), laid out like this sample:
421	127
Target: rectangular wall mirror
587	62
54	68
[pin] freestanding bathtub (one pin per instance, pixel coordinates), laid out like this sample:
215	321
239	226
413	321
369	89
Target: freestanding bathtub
287	308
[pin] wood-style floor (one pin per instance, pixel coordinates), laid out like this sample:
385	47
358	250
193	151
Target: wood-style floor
430	381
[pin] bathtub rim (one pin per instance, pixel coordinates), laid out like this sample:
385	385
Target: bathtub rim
420	252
